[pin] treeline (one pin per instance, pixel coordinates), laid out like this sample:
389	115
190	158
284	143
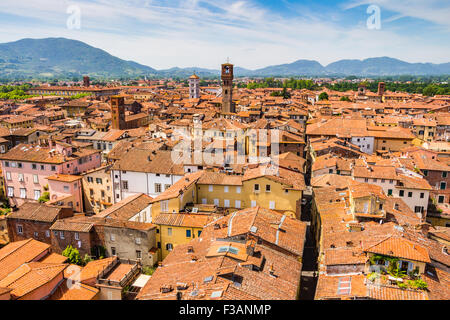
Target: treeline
14	92
427	89
291	83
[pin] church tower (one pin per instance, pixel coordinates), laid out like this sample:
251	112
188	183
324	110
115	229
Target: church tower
118	113
227	89
194	87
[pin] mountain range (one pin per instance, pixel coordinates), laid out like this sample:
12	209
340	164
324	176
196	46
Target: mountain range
60	57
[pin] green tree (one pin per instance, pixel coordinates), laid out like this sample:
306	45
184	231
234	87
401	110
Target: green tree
73	254
44	198
323	96
345	98
430	90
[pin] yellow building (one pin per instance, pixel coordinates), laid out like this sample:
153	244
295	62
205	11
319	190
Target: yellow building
18	121
97	190
425	129
391	138
260	186
175	229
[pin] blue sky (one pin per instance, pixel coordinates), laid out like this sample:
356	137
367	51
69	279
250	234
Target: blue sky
253	33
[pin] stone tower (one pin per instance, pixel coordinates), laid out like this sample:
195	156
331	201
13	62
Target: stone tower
381	88
118	113
227	89
194	87
86	81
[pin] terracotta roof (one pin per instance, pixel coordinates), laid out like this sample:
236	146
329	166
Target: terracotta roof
36	212
17	253
401	248
127	208
30	276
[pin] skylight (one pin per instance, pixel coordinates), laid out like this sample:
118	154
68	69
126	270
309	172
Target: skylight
228	249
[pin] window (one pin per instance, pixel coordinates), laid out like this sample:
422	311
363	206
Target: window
226	203
47	233
6	163
216	202
330	171
389	192
425	172
267	187
418	209
112	237
441	199
169	232
36	234
113	251
272	205
188	233
98	180
20	229
253	204
210	188
34	166
443	185
35	178
383	181
225	189
53	168
391	181
366	180
37	194
21	177
444	174
66	188
169	247
256	188
238	189
158	187
375	180
422	195
165	206
19	165
199	233
410	194
138	240
90	179
77	236
8	175
61	234
138	254
23	193
42	167
125	185
237	204
401	193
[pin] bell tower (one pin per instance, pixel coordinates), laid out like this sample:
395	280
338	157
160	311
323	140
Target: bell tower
118	113
227	88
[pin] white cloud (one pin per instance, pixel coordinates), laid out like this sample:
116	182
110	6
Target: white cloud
435	11
203	33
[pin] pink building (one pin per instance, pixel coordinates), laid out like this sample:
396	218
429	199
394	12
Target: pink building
66	190
26	169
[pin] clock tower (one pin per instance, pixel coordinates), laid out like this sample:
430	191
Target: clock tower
227	89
